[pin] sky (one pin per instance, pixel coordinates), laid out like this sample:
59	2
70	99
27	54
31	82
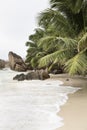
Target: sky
18	19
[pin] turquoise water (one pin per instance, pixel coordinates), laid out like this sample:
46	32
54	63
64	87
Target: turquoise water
31	105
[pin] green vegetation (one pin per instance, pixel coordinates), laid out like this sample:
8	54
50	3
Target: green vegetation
61	39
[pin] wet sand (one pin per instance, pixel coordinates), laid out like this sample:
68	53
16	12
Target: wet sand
74	112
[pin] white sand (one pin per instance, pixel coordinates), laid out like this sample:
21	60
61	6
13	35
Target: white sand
74	112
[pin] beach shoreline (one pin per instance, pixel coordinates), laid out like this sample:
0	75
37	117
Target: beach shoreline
74	112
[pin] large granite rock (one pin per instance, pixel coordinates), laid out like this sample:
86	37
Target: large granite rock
2	64
41	75
16	62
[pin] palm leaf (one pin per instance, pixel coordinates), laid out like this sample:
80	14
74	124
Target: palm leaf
47	43
82	43
68	42
45	17
55	17
57	4
77	64
30	44
56	42
37	35
74	5
58	56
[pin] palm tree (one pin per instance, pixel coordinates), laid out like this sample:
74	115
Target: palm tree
70	18
57	20
74	10
67	15
34	52
78	63
68	52
61	50
64	41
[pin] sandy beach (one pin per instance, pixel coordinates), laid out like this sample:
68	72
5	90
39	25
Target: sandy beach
74	112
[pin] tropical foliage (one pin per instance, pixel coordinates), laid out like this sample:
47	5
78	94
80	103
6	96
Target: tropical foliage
61	38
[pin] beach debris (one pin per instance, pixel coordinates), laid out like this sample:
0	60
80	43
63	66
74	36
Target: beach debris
67	79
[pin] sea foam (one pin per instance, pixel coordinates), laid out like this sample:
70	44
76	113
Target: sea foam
31	105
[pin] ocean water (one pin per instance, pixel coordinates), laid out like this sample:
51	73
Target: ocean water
31	105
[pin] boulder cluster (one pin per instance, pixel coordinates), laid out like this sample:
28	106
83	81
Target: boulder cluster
39	74
16	63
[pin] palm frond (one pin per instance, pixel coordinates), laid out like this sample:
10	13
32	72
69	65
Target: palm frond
57	57
75	5
82	43
75	12
58	4
77	64
56	42
32	50
68	42
37	35
45	17
56	18
47	43
34	62
30	44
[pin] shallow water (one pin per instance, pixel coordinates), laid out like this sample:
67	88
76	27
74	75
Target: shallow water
30	105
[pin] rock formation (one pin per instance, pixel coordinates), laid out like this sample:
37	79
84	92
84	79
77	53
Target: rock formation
40	74
2	64
16	62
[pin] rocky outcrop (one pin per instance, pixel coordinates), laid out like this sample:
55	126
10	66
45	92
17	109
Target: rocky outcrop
41	75
7	64
16	62
2	64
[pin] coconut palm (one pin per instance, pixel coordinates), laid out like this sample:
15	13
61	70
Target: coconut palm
34	52
74	10
64	38
58	21
71	15
78	64
67	15
69	52
61	50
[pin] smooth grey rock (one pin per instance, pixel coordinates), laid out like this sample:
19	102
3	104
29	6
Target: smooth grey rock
16	62
2	64
41	75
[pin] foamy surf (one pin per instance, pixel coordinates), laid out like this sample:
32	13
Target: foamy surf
31	105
